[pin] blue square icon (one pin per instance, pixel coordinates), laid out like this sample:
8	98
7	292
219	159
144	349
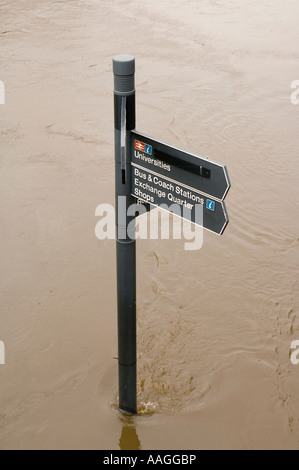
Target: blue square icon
210	205
148	149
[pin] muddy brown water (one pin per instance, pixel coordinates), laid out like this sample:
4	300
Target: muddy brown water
215	326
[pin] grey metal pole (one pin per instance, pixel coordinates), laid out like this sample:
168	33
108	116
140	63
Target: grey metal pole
124	122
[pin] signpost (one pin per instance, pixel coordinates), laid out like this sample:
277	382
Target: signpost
166	175
154	173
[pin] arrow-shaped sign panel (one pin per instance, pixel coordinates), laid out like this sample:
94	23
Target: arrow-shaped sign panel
157	190
199	173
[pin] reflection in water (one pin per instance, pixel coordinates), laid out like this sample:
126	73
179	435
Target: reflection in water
129	439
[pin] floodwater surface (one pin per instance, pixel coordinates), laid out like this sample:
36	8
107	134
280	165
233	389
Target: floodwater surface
215	326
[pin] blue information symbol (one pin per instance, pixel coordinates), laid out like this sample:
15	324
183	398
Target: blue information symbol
148	149
210	205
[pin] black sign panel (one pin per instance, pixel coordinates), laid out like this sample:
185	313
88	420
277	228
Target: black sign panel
198	173
151	187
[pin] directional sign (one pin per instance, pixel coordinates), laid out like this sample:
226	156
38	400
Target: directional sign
185	184
199	173
157	190
164	175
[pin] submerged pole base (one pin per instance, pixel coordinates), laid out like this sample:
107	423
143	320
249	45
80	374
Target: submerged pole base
127	390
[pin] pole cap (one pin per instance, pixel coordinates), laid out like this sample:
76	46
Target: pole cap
124	64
